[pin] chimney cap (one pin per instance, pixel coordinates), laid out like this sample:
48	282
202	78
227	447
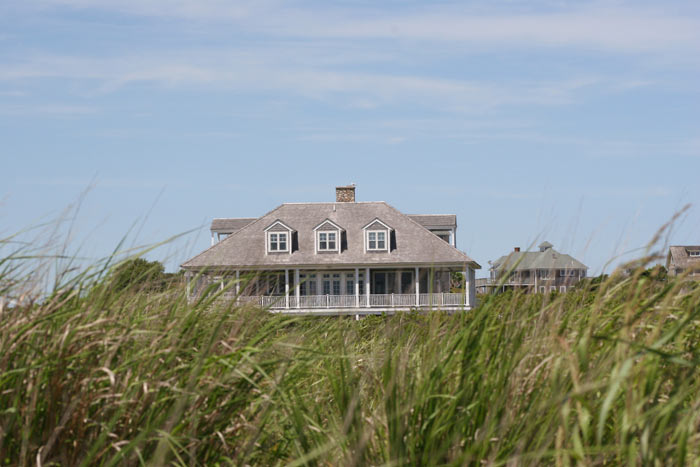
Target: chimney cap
516	249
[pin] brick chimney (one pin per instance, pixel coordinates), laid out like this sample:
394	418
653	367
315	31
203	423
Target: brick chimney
345	194
516	249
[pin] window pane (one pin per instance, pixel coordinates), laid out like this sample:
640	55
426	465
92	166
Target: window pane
312	287
349	287
381	240
336	287
326	287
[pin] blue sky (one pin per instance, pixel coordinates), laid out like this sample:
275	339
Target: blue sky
575	122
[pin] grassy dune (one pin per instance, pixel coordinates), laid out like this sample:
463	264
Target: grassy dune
607	374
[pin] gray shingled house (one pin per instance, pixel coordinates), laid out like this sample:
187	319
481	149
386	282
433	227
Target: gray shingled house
684	259
337	257
546	270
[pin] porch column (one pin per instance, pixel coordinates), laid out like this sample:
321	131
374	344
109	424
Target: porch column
286	288
238	282
221	284
357	287
470	287
297	288
188	285
367	285
417	287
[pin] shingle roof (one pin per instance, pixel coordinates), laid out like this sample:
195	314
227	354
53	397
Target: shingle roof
414	243
435	220
678	256
547	259
230	225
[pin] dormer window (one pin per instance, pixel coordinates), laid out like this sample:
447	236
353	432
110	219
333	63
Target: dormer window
378	237
278	242
694	253
278	238
376	240
329	237
328	241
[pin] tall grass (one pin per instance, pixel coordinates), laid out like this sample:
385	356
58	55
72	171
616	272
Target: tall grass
607	374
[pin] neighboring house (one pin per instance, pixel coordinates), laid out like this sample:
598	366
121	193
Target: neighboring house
546	270
339	257
684	260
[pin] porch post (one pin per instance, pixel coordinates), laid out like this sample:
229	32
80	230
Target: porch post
286	288
367	285
221	284
238	282
471	288
466	285
188	285
417	287
297	287
357	287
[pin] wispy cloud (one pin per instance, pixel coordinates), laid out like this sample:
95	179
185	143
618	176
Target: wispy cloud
624	27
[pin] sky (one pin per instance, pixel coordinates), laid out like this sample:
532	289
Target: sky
576	122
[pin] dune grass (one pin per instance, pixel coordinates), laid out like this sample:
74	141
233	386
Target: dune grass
607	374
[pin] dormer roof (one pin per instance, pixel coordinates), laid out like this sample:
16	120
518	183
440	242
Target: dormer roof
328	224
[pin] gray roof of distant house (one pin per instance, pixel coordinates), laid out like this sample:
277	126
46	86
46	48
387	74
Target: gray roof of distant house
230	225
678	256
547	259
414	243
435	220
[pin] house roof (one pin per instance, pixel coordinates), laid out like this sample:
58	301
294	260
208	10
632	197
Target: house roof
678	256
547	259
414	244
435	220
230	225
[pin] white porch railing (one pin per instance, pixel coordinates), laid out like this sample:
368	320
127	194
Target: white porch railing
277	302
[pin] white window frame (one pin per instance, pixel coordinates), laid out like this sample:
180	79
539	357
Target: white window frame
694	253
562	288
544	274
376	233
327	233
278	241
552	288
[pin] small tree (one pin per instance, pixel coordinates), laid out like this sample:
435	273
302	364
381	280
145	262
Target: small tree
140	273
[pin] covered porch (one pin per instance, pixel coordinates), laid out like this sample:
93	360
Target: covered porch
342	291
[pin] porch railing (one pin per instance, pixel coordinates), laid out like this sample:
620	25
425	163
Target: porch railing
352	301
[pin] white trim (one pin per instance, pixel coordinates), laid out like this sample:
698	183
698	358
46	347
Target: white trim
387	240
376	219
279	222
288	241
330	222
327	232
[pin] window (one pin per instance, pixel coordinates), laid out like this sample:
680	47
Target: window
326	284
562	288
349	287
376	240
277	241
552	288
694	253
336	284
543	273
542	289
327	241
